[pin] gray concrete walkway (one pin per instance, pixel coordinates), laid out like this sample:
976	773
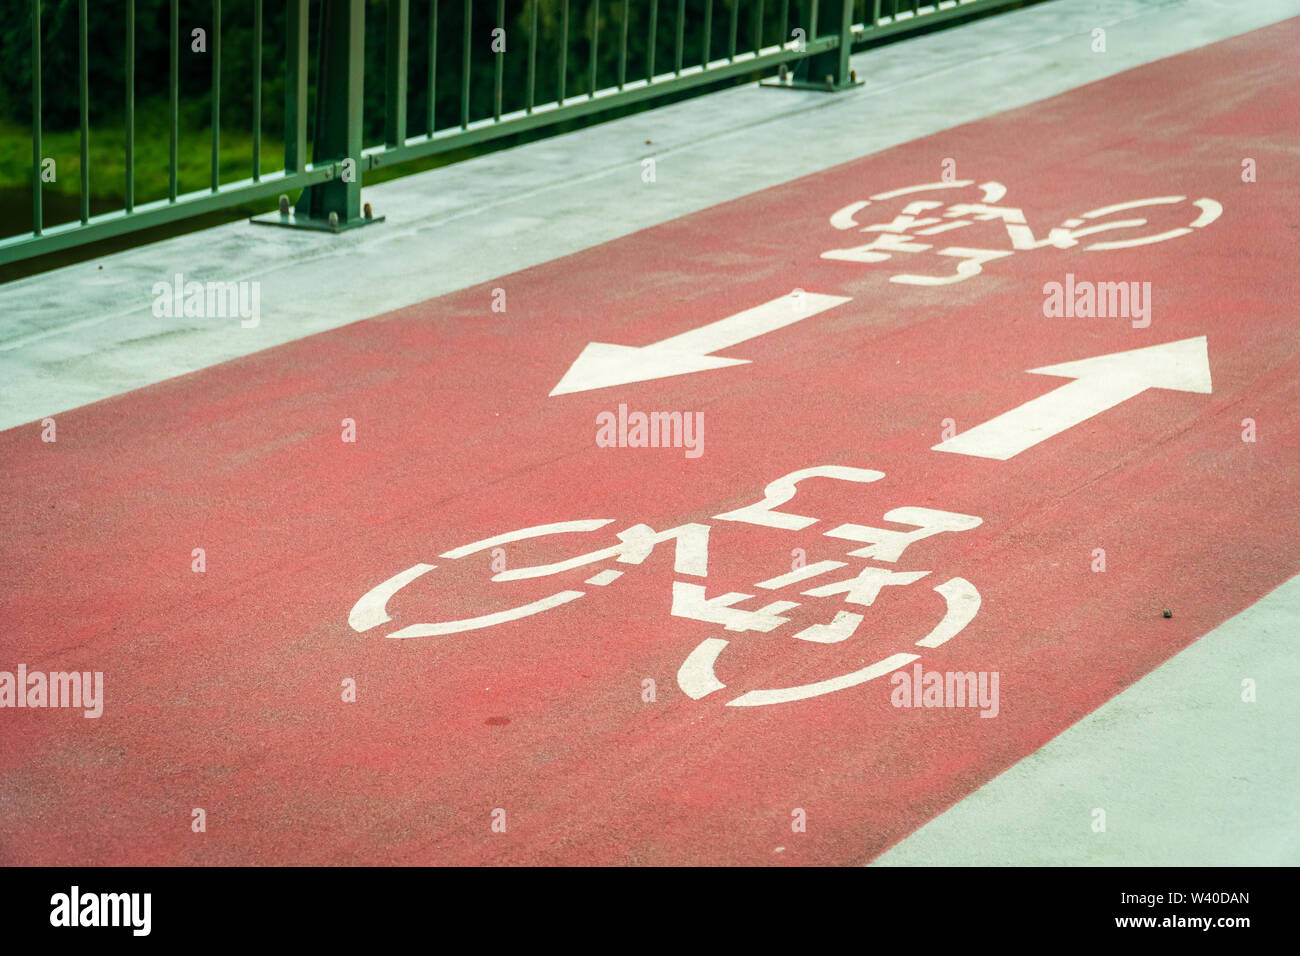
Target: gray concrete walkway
1186	771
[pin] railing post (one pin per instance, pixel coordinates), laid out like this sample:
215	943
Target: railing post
826	70
339	86
335	204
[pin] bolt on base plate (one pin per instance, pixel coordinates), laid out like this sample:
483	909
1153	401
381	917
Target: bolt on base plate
289	219
784	80
305	222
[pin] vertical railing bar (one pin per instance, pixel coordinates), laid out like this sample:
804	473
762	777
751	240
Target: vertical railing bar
812	26
173	108
654	28
785	22
595	31
295	86
464	79
531	95
875	14
758	28
708	34
129	118
681	35
501	61
83	48
433	63
622	50
257	90
735	23
564	50
216	95
396	43
38	216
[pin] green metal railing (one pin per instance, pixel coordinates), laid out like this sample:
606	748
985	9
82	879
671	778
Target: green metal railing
807	42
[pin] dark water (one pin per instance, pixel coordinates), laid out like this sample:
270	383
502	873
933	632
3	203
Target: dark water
16	209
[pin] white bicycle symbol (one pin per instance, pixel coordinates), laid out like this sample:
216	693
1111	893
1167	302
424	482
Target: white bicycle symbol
697	677
921	218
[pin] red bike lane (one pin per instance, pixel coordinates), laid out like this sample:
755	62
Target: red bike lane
615	725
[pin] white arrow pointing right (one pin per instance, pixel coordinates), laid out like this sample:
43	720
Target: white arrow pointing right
1101	382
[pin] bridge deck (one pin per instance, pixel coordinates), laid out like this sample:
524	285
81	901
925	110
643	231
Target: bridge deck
226	689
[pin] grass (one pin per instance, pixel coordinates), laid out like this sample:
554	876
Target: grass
107	153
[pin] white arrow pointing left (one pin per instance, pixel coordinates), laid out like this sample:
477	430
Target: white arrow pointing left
601	365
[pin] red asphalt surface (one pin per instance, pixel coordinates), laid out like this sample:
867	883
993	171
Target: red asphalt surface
223	688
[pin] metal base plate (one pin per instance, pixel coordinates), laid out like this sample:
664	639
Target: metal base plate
292	221
790	83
